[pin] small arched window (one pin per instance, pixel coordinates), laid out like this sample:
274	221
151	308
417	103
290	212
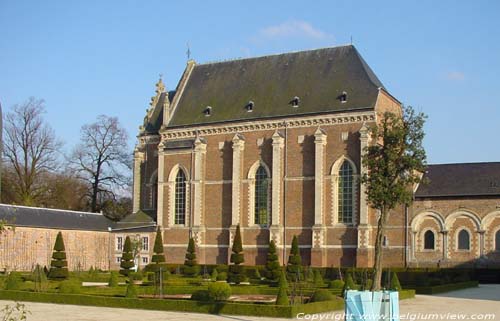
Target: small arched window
463	240
180	198
345	193
497	241
429	240
261	196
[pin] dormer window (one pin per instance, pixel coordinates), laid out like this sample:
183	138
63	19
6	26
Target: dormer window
295	102
343	97
249	106
208	111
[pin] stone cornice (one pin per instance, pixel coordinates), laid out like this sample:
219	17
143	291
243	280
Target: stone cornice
148	139
296	122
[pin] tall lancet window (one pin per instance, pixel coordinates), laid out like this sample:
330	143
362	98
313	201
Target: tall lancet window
345	196
261	197
180	198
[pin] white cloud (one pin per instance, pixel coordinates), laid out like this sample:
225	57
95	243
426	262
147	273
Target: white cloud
293	28
455	76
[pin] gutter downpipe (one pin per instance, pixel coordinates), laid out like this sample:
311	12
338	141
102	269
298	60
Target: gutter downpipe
284	191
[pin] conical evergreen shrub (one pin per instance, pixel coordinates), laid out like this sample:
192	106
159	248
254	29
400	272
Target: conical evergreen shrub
127	261
236	270
272	269
395	285
58	265
348	283
13	281
318	279
159	256
282	298
191	267
294	266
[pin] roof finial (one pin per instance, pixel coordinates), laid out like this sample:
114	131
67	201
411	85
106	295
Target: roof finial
160	86
351	40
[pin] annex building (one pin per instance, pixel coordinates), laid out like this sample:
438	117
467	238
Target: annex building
275	144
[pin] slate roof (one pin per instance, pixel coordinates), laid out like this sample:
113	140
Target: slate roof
465	179
139	221
53	218
318	77
152	124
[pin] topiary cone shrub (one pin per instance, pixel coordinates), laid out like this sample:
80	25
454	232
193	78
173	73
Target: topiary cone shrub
13	281
127	261
282	297
272	269
159	256
348	283
58	265
191	267
395	285
294	266
236	270
318	279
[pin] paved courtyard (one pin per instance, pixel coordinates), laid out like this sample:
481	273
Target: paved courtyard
466	304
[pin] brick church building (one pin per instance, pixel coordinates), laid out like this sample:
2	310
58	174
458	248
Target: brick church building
275	144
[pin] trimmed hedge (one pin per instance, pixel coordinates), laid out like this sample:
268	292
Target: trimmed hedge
445	288
268	310
174	305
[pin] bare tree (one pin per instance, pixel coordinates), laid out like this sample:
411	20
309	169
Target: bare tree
102	159
30	147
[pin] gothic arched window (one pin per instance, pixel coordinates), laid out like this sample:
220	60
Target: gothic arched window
429	240
180	198
261	196
345	193
463	240
497	241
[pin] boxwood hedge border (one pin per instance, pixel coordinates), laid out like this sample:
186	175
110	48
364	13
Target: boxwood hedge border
230	308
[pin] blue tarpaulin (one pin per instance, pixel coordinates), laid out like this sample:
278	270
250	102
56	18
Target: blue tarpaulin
372	306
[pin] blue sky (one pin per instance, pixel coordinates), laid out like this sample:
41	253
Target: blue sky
87	58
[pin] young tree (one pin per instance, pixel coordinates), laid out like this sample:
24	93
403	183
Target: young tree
394	162
273	268
236	270
59	265
40	279
102	159
159	256
191	267
127	261
294	266
31	149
